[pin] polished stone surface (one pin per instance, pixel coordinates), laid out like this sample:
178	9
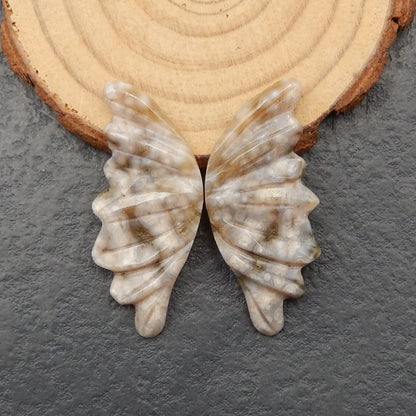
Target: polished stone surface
152	209
258	206
347	347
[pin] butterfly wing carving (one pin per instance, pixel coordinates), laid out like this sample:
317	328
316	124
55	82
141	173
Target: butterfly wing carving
151	211
258	206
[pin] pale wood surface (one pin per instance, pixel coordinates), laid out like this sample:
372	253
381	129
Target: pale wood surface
199	59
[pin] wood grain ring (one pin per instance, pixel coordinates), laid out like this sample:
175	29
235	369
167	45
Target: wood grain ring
200	60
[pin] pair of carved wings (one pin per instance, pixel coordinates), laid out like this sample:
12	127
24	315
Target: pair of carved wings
255	200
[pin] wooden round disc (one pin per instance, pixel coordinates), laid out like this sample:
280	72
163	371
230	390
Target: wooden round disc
200	60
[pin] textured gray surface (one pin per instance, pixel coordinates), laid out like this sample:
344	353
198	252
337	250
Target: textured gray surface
348	344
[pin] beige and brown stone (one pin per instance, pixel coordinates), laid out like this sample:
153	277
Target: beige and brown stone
258	206
151	212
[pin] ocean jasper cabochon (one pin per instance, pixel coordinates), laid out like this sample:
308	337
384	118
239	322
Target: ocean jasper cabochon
258	206
151	211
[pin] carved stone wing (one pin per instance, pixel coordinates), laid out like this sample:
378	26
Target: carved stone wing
151	211
258	206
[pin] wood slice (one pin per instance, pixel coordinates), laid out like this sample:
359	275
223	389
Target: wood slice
200	60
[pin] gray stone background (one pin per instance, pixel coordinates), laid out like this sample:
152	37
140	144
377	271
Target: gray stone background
348	346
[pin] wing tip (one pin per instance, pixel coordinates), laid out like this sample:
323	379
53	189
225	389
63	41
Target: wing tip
151	313
124	97
265	307
279	98
150	328
287	91
113	90
269	325
151	310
